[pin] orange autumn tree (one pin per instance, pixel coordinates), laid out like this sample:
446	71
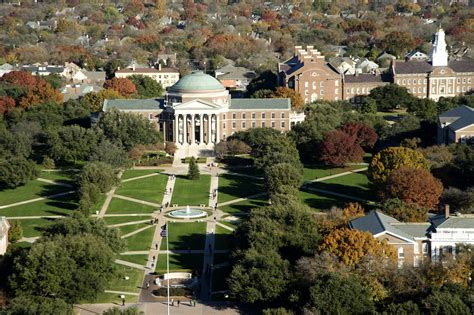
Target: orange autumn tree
284	92
350	246
124	86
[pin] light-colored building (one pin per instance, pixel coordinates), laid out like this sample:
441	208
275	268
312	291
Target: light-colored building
198	113
166	76
4	227
235	78
456	125
6	68
361	84
416	56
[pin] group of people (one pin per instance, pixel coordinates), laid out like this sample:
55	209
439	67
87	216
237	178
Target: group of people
214	193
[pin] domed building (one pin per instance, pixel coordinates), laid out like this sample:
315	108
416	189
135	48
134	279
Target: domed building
197	112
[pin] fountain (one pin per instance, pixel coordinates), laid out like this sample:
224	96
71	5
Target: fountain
188	213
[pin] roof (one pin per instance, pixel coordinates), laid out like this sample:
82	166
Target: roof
408	67
197	81
366	77
50	69
148	70
6	66
260	103
375	222
134	104
230	72
465	65
94	75
459	221
458	118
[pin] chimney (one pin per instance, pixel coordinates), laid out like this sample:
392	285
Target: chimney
133	66
446	211
159	66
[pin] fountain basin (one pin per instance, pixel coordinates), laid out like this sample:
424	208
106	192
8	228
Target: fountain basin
188	213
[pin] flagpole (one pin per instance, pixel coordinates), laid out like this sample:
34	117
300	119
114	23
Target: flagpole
168	265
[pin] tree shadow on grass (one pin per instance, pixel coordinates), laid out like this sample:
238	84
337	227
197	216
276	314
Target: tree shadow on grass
193	241
362	191
240	186
244	209
324	203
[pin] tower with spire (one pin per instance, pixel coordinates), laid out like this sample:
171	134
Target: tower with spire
439	54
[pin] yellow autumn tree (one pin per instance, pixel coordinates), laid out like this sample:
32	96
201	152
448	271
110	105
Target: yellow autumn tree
350	246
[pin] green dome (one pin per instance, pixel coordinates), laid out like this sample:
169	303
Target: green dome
196	81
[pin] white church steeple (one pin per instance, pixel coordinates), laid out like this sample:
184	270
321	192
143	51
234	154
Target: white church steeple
439	54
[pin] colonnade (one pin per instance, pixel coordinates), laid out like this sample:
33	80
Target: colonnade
196	128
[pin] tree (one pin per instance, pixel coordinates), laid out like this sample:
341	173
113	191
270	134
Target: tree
100	174
16	171
95	100
170	148
368	106
438	303
392	158
282	174
71	143
390	97
423	108
437	156
267	80
459	200
413	186
6	104
146	86
193	170
403	211
127	129
110	153
15	233
21	78
408	307
339	148
119	311
42	92
365	136
297	102
38	305
350	246
123	86
73	268
335	294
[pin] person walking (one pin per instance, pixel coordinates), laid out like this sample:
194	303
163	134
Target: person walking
179	302
148	285
156	246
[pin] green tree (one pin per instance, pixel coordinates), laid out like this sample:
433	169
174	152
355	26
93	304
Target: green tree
100	174
110	153
16	171
392	158
405	308
38	305
193	169
368	106
15	233
282	174
118	311
337	295
403	211
423	108
390	97
146	86
438	303
71	143
94	101
267	80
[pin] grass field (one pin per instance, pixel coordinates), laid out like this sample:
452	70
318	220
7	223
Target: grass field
221	258
223	237
33	189
149	189
126	229
131	285
311	172
184	236
245	206
355	185
191	192
118	220
219	277
136	173
232	225
141	240
120	206
182	262
321	202
63	205
136	259
33	227
235	186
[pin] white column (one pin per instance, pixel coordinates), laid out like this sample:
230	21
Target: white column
209	129
218	131
201	128
176	128
193	134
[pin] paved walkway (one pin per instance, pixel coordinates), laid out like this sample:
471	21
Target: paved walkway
169	190
37	199
213	191
242	199
29	239
136	252
129	264
136	231
128	223
337	175
59	183
225	226
139	177
143	202
206	275
36	217
107	201
192	251
121	292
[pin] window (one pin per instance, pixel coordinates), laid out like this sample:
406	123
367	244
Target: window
348	91
401	254
404	82
419	81
253	115
424	81
224	125
306	92
336	83
263	115
336	91
234	116
314	85
314	97
306	84
464	80
282	115
234	125
468	80
253	124
321	84
150	116
223	116
419	89
273	124
398	81
458	80
282	124
424	247
458	89
273	115
314	74
263	124
243	125
244	116
409	81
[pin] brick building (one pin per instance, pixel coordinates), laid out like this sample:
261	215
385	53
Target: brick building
166	76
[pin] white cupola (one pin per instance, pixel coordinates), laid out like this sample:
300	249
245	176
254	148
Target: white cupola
439	54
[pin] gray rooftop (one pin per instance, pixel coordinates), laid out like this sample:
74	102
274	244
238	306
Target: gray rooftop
260	103
134	104
367	78
39	69
459	221
409	67
458	118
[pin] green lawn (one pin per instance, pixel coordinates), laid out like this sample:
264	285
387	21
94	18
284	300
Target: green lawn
181	262
63	205
232	225
60	175
311	172
120	206
113	298
136	173
141	240
223	237
149	189
131	285
126	229
199	160
355	185
191	192
219	277
235	186
33	189
136	259
321	202
99	204
221	258
118	220
33	227
184	236
245	206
